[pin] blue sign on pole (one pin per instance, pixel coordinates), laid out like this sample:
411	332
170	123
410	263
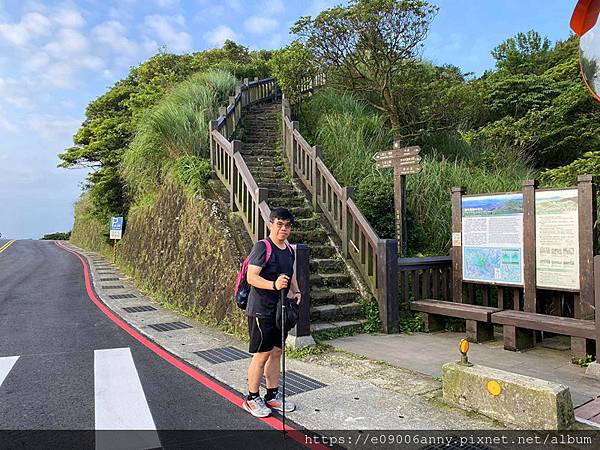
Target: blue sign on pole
116	227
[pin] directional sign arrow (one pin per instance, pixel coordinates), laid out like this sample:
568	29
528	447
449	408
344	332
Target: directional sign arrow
397	153
407	170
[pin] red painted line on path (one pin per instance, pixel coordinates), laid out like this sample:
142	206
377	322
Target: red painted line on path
297	435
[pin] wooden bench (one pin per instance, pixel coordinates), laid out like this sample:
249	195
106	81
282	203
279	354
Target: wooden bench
478	318
519	327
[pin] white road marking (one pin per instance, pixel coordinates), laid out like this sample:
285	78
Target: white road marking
120	402
6	365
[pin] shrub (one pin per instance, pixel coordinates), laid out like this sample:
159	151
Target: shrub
192	172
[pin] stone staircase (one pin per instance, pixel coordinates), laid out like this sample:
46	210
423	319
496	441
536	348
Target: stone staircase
334	303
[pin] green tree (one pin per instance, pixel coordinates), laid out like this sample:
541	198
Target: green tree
291	65
366	46
520	53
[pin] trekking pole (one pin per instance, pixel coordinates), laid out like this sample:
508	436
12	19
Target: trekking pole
283	322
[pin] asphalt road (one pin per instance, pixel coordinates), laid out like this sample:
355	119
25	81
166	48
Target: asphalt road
65	366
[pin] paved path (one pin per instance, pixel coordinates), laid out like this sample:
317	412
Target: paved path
417	351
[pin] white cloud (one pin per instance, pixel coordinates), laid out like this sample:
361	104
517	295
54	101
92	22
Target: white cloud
167	3
59	75
21	33
219	35
51	127
6	124
210	13
260	25
69	18
235	5
273	6
36	61
112	34
11	92
68	43
166	31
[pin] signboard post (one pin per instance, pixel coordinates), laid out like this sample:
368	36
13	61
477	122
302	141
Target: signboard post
405	161
116	233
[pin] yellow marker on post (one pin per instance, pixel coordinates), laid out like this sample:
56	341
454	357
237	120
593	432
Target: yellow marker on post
463	347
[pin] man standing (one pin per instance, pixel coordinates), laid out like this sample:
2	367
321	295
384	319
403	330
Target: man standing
267	279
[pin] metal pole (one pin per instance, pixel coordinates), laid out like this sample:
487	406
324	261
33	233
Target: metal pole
283	323
114	251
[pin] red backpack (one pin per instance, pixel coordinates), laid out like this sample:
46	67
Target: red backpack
241	290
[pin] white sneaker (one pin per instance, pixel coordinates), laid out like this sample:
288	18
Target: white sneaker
257	407
277	403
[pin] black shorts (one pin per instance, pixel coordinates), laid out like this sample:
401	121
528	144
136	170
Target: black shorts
264	334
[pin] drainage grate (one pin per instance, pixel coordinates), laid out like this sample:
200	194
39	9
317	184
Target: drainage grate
109	279
222	354
169	326
143	308
296	383
120	296
113	286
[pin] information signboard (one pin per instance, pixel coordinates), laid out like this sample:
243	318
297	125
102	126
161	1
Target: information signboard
492	238
557	239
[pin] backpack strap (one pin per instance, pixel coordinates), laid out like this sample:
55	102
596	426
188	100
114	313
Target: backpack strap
269	249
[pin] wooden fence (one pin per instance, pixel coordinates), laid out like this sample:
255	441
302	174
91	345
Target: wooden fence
425	278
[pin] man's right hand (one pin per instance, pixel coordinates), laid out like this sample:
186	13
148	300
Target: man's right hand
282	282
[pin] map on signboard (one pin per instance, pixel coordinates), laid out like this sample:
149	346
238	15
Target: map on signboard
557	239
492	238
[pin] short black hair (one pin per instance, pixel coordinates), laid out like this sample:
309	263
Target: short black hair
283	214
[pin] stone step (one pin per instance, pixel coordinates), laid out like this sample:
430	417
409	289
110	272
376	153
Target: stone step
307	224
335	279
266	152
332	313
289	202
324	265
279	185
303	211
321	296
322	251
282	192
311	237
321	328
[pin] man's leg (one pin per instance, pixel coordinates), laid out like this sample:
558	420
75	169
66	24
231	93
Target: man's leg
272	368
255	370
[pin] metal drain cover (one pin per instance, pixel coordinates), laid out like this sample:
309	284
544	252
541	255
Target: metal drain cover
143	308
222	354
169	326
109	279
120	296
296	383
113	286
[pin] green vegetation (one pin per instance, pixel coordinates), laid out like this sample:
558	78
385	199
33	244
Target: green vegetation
114	119
530	118
411	324
56	236
175	132
584	361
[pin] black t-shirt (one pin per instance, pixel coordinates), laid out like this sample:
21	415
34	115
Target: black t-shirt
263	302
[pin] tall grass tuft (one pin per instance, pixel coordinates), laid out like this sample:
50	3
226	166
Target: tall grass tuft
429	193
177	126
350	133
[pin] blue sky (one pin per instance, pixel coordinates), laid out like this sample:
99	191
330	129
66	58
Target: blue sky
55	57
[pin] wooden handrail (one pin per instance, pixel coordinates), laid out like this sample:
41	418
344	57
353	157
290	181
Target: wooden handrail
375	258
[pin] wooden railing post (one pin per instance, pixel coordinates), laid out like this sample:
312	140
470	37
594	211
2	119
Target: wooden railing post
261	196
313	168
293	143
387	284
348	192
237	147
457	262
212	125
302	271
529	264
